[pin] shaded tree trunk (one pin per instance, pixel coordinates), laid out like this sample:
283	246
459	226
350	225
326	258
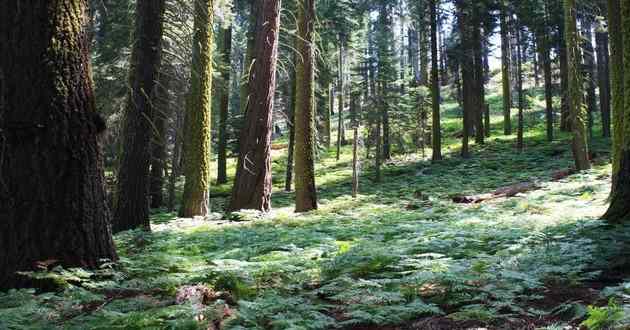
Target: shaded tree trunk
197	130
619	210
565	112
252	185
603	73
132	198
176	159
291	149
224	111
580	144
617	75
305	190
52	196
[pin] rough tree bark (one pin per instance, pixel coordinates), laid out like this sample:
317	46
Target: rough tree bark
291	113
197	121
305	190
52	195
617	83
225	107
252	185
619	210
132	196
575	95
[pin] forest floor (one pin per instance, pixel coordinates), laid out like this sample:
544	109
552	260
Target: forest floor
402	255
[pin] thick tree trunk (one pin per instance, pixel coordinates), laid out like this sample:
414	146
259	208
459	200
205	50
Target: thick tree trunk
132	203
197	130
603	73
505	70
252	185
158	143
617	83
305	190
619	210
435	86
52	196
575	95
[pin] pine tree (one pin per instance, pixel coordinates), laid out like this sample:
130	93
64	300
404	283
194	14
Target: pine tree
197	120
580	145
224	110
619	210
52	195
252	184
617	75
305	190
435	84
132	203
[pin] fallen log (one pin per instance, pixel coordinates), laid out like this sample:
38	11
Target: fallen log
507	192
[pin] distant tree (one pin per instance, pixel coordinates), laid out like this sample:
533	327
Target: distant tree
603	74
506	49
132	195
575	95
305	190
252	184
435	84
52	196
197	121
224	109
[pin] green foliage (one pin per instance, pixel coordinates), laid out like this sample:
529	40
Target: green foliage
602	318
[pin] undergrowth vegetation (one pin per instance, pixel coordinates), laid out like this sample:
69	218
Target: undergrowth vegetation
401	254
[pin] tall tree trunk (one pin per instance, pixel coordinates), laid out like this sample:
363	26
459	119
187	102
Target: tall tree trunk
252	185
435	86
619	210
615	26
589	74
505	70
52	196
132	203
603	73
249	53
467	72
341	139
225	107
478	84
197	132
291	149
521	96
158	143
305	190
565	111
575	95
